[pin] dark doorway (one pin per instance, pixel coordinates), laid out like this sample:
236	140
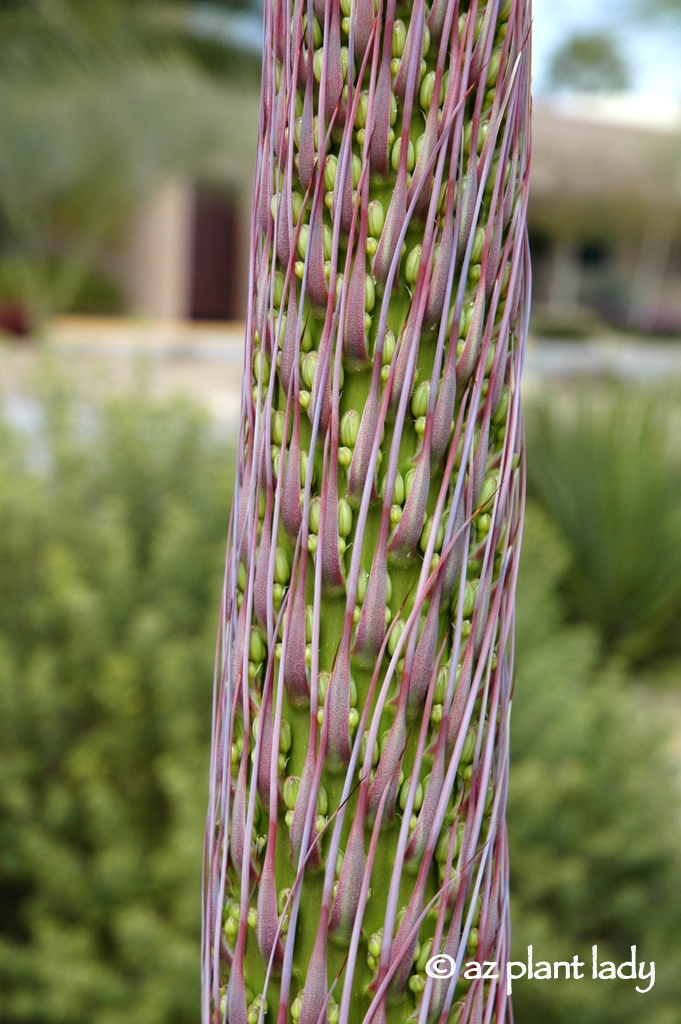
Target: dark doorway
215	262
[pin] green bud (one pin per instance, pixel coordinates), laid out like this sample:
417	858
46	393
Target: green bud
399	37
369	293
478	244
322	801
398	490
502	409
322	684
393	108
285	737
493	67
303	238
257	648
307	368
309	623
483	524
468	747
328	241
344	518
241	576
345	456
489	490
395	634
411	266
330	170
395	155
362	581
375	218
278	289
291	787
315	514
349	427
278	421
362	107
389	344
282	566
296	206
417	983
426	90
356	170
426	532
353	719
318	64
252	917
261	367
375	944
420	398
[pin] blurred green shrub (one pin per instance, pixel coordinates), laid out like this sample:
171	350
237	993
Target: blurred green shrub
606	464
112	530
593	813
112	533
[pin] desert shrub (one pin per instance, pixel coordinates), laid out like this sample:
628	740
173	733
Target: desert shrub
593	813
112	526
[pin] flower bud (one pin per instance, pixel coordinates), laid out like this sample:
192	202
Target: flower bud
349	427
493	67
284	737
345	456
356	170
282	567
322	684
241	576
478	244
489	489
426	532
408	481
278	289
315	514
261	367
318	64
399	37
375	218
395	634
344	518
395	155
362	107
307	368
369	293
417	983
411	266
328	241
362	581
303	238
290	788
330	170
257	648
420	398
426	90
278	419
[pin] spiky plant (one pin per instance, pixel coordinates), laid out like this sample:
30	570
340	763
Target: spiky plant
363	683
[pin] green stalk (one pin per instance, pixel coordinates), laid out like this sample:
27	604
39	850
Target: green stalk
360	747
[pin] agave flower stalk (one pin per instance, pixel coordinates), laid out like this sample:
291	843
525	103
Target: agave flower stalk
364	670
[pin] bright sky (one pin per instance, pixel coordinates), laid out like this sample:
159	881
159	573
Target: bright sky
652	48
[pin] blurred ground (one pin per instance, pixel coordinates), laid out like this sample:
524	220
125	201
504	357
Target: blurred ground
204	361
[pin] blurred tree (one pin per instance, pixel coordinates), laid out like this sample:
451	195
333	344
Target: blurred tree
102	99
589	62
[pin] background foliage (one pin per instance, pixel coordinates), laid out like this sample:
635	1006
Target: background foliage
113	520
